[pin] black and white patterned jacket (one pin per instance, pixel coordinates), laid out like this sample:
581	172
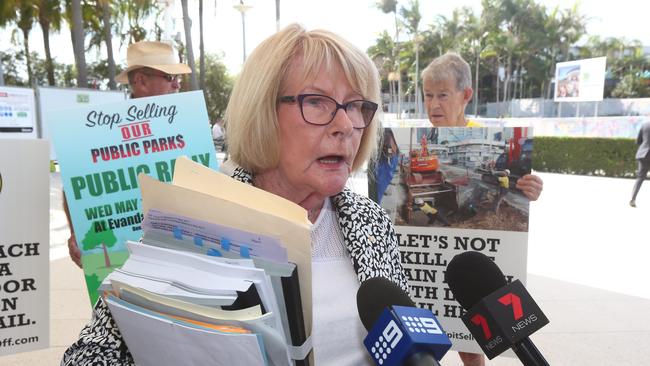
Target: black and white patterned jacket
368	234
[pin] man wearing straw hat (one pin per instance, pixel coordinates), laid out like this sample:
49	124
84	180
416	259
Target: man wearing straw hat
151	69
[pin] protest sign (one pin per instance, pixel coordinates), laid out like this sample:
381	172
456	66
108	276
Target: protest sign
447	192
580	80
101	150
52	98
24	246
17	113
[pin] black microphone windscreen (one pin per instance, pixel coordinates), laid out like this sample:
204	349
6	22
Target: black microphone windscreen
471	276
375	295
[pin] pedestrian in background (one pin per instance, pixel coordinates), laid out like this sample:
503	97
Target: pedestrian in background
643	159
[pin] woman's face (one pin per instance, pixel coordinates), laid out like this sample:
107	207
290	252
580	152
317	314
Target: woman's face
445	104
316	160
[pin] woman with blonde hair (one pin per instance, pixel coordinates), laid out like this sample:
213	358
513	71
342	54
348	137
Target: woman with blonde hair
301	118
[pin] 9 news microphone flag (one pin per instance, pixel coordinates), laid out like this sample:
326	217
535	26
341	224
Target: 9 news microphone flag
499	315
398	335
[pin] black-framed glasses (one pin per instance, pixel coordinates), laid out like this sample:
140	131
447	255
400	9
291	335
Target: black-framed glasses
317	109
168	77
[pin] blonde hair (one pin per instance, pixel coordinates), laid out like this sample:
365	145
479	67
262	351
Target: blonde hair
251	116
449	66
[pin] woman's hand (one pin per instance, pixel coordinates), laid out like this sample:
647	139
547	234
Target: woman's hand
73	249
472	359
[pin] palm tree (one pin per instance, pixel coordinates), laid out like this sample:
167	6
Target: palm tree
134	13
187	23
451	32
383	56
98	17
552	29
564	29
49	18
7	16
108	39
23	14
412	17
513	19
77	31
26	18
7	12
387	7
475	35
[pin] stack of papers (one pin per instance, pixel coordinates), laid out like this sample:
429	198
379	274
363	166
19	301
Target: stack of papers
222	275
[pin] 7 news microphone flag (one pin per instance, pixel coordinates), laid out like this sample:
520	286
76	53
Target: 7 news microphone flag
499	315
398	332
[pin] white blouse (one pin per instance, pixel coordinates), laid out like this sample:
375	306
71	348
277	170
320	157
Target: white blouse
337	332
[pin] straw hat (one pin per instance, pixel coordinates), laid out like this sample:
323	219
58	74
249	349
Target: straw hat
156	55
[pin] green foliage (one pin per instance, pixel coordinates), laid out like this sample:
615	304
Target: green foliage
93	239
523	38
411	16
15	70
626	65
631	86
218	85
132	15
610	157
382	55
98	73
11	61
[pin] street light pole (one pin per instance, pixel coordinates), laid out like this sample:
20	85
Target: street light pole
243	8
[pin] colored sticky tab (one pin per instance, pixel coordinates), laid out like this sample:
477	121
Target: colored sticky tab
214	253
198	241
178	234
225	244
244	252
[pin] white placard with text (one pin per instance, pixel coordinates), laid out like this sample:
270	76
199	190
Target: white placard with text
17	113
24	245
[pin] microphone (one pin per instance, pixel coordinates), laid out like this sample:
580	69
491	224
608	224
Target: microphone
499	315
398	332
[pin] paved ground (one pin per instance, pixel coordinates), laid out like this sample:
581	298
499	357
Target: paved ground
587	271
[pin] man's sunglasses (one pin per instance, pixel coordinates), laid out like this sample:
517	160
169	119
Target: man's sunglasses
168	77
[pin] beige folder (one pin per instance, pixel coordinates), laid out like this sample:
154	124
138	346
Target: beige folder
204	194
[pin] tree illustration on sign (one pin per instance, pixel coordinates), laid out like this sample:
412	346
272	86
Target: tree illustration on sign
105	238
